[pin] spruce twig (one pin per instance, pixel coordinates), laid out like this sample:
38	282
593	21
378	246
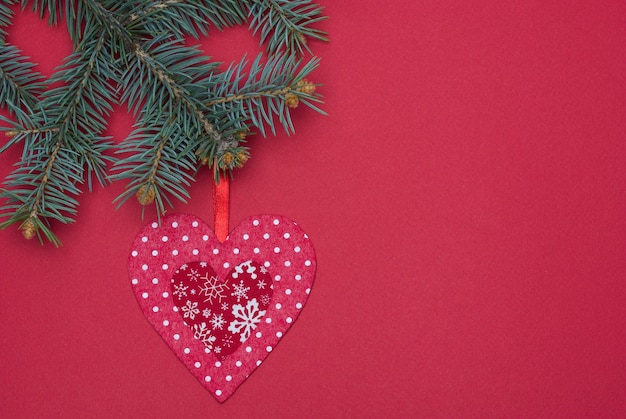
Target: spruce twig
188	113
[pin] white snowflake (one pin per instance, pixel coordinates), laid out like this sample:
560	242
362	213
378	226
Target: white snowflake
246	319
203	334
263	269
184	267
217	349
180	290
217	321
224	306
265	299
240	291
261	284
190	310
212	288
239	269
206	312
203	264
193	275
227	340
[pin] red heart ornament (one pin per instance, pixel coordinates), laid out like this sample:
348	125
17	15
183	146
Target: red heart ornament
222	307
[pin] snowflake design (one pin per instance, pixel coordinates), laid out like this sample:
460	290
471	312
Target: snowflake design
224	306
206	312
184	267
263	269
246	319
217	321
193	275
217	349
240	291
203	334
265	299
212	288
180	290
203	264
190	310
227	340
261	284
239	269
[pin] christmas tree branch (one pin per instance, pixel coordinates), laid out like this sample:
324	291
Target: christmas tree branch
5	18
159	160
286	24
187	110
193	17
266	93
20	85
65	143
177	91
54	174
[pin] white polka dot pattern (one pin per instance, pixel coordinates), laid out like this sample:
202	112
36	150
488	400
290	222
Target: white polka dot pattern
275	241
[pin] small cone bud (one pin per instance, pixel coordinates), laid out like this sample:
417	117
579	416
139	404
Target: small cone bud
227	160
305	87
292	100
29	229
242	158
146	194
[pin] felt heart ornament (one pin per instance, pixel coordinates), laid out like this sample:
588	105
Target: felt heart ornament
222	307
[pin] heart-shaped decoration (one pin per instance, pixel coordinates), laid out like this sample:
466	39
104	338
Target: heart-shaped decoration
222	307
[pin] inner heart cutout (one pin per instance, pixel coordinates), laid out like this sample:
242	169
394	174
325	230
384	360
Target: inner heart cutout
222	320
222	307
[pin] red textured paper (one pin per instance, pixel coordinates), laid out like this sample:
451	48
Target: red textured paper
279	246
465	197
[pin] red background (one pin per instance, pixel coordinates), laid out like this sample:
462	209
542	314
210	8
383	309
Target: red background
466	197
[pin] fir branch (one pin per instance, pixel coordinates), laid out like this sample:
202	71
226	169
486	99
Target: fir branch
5	18
20	85
265	94
134	52
65	144
43	190
159	163
286	24
191	17
78	109
165	75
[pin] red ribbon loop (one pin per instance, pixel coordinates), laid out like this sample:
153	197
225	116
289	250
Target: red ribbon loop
221	207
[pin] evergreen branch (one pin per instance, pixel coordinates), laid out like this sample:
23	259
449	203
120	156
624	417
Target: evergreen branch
82	16
5	18
166	74
265	94
80	106
286	24
191	17
20	85
52	8
17	133
63	142
158	163
41	189
188	111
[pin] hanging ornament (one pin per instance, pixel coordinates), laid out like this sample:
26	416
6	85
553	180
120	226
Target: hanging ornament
222	300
